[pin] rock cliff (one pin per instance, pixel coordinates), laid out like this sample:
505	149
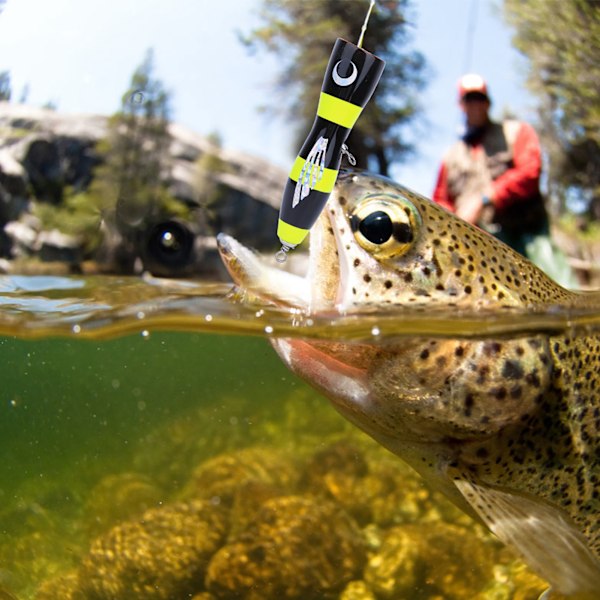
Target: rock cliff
43	153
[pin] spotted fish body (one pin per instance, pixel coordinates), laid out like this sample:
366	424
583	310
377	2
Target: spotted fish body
507	428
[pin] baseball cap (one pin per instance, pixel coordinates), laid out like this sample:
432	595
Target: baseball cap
471	83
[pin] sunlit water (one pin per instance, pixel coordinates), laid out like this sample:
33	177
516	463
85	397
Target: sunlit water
121	396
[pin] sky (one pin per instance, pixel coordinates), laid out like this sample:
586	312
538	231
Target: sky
80	55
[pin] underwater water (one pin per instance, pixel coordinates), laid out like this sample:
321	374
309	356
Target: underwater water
153	446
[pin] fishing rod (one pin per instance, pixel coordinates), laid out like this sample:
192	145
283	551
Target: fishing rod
351	77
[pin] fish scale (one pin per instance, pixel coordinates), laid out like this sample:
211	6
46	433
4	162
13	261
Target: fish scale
507	428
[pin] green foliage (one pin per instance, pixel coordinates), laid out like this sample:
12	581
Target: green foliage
561	39
208	167
78	215
302	34
583	231
5	89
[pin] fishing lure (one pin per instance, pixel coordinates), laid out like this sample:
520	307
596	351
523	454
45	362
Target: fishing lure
350	79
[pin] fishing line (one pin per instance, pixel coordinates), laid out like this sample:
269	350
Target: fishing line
364	27
470	35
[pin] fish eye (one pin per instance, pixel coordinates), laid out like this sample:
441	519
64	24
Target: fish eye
376	227
385	225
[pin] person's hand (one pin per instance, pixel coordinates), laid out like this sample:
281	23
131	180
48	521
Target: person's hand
470	208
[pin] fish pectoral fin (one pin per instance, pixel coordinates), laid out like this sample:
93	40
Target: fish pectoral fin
269	283
550	594
337	380
543	534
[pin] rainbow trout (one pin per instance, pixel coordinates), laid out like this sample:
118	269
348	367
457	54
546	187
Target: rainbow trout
506	428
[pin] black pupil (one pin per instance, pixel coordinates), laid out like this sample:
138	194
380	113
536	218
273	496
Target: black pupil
377	227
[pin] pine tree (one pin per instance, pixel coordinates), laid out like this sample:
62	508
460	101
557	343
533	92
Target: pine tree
561	40
5	89
136	151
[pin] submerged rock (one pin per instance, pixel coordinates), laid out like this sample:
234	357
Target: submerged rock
367	485
64	587
162	556
514	581
248	499
120	497
357	590
295	548
430	560
220	477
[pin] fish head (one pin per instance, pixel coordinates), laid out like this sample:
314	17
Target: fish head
379	246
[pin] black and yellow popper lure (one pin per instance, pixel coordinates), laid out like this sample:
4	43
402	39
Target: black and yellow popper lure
350	79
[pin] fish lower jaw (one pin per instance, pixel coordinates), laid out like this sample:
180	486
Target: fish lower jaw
254	275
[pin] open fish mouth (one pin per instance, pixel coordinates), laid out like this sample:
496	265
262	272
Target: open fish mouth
251	273
319	289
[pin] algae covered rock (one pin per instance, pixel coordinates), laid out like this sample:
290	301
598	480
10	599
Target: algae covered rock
120	497
220	477
514	581
368	485
248	499
295	548
429	560
357	590
65	587
161	556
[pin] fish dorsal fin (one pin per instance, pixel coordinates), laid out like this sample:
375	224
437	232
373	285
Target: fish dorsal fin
544	535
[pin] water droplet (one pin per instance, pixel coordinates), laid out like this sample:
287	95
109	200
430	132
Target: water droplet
208	318
375	330
141	405
76	329
268	329
146	334
141	314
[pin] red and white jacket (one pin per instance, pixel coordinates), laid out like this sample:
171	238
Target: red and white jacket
504	164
